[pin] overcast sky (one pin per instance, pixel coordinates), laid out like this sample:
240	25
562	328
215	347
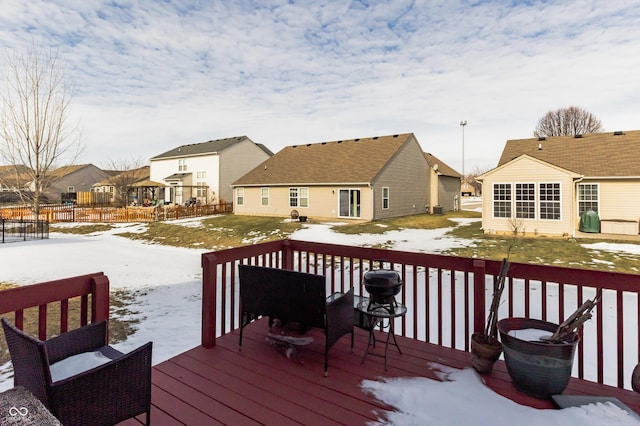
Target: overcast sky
153	75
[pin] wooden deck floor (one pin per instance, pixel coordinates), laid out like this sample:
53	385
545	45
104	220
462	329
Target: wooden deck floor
260	386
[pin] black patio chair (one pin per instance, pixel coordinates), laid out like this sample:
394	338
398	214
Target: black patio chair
104	395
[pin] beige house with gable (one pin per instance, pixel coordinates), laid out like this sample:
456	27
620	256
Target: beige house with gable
545	186
366	178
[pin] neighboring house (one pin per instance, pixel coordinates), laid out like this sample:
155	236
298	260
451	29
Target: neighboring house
444	192
467	189
205	170
367	178
135	183
544	186
13	179
71	179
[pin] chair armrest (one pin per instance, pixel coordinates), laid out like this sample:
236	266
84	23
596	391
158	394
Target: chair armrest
84	339
340	317
112	392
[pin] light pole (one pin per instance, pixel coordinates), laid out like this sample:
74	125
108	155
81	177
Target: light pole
462	124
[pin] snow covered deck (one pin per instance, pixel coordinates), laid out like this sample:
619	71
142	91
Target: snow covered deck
259	385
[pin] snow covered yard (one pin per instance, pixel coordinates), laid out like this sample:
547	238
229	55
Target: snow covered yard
166	282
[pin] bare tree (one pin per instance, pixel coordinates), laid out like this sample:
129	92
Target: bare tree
35	132
123	174
568	121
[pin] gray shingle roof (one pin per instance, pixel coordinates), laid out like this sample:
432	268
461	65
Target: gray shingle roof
592	155
345	161
208	147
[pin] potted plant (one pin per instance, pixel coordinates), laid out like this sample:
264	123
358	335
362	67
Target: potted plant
539	362
485	347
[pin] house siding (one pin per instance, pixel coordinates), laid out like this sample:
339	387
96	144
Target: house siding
432	184
407	177
235	161
527	170
82	180
449	193
323	202
619	200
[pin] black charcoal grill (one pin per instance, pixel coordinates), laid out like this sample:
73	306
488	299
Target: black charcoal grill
382	285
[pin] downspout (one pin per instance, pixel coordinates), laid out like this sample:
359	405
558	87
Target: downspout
574	206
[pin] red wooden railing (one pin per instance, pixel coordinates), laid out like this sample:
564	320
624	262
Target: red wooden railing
453	302
92	289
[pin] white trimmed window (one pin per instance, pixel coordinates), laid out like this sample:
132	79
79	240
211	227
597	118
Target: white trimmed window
526	200
182	165
240	196
502	200
264	196
298	197
201	189
385	197
588	197
550	201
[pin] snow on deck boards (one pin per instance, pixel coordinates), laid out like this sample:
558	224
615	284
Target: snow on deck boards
259	385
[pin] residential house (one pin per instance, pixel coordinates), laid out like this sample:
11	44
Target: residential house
205	170
468	189
134	183
71	179
545	186
367	178
445	190
13	179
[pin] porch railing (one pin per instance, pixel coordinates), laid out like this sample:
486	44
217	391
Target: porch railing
92	290
448	297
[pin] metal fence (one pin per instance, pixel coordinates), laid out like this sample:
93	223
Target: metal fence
23	230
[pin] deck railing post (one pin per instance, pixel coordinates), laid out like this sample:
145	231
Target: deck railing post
209	302
100	298
479	299
287	255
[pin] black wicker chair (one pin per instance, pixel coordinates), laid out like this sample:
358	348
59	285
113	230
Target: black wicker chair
297	297
103	395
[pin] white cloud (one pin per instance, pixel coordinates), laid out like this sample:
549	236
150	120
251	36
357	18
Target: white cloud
154	75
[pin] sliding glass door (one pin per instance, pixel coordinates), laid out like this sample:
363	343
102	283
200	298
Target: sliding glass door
349	203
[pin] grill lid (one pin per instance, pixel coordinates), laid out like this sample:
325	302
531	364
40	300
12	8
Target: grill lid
382	278
382	282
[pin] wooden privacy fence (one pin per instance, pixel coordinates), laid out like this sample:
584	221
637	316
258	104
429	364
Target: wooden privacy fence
448	297
68	213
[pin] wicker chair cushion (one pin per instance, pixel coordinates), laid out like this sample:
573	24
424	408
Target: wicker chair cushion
81	362
76	364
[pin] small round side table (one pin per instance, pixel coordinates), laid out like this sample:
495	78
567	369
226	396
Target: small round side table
378	315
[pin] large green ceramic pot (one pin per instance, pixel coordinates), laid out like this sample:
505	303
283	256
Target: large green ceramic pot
537	368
